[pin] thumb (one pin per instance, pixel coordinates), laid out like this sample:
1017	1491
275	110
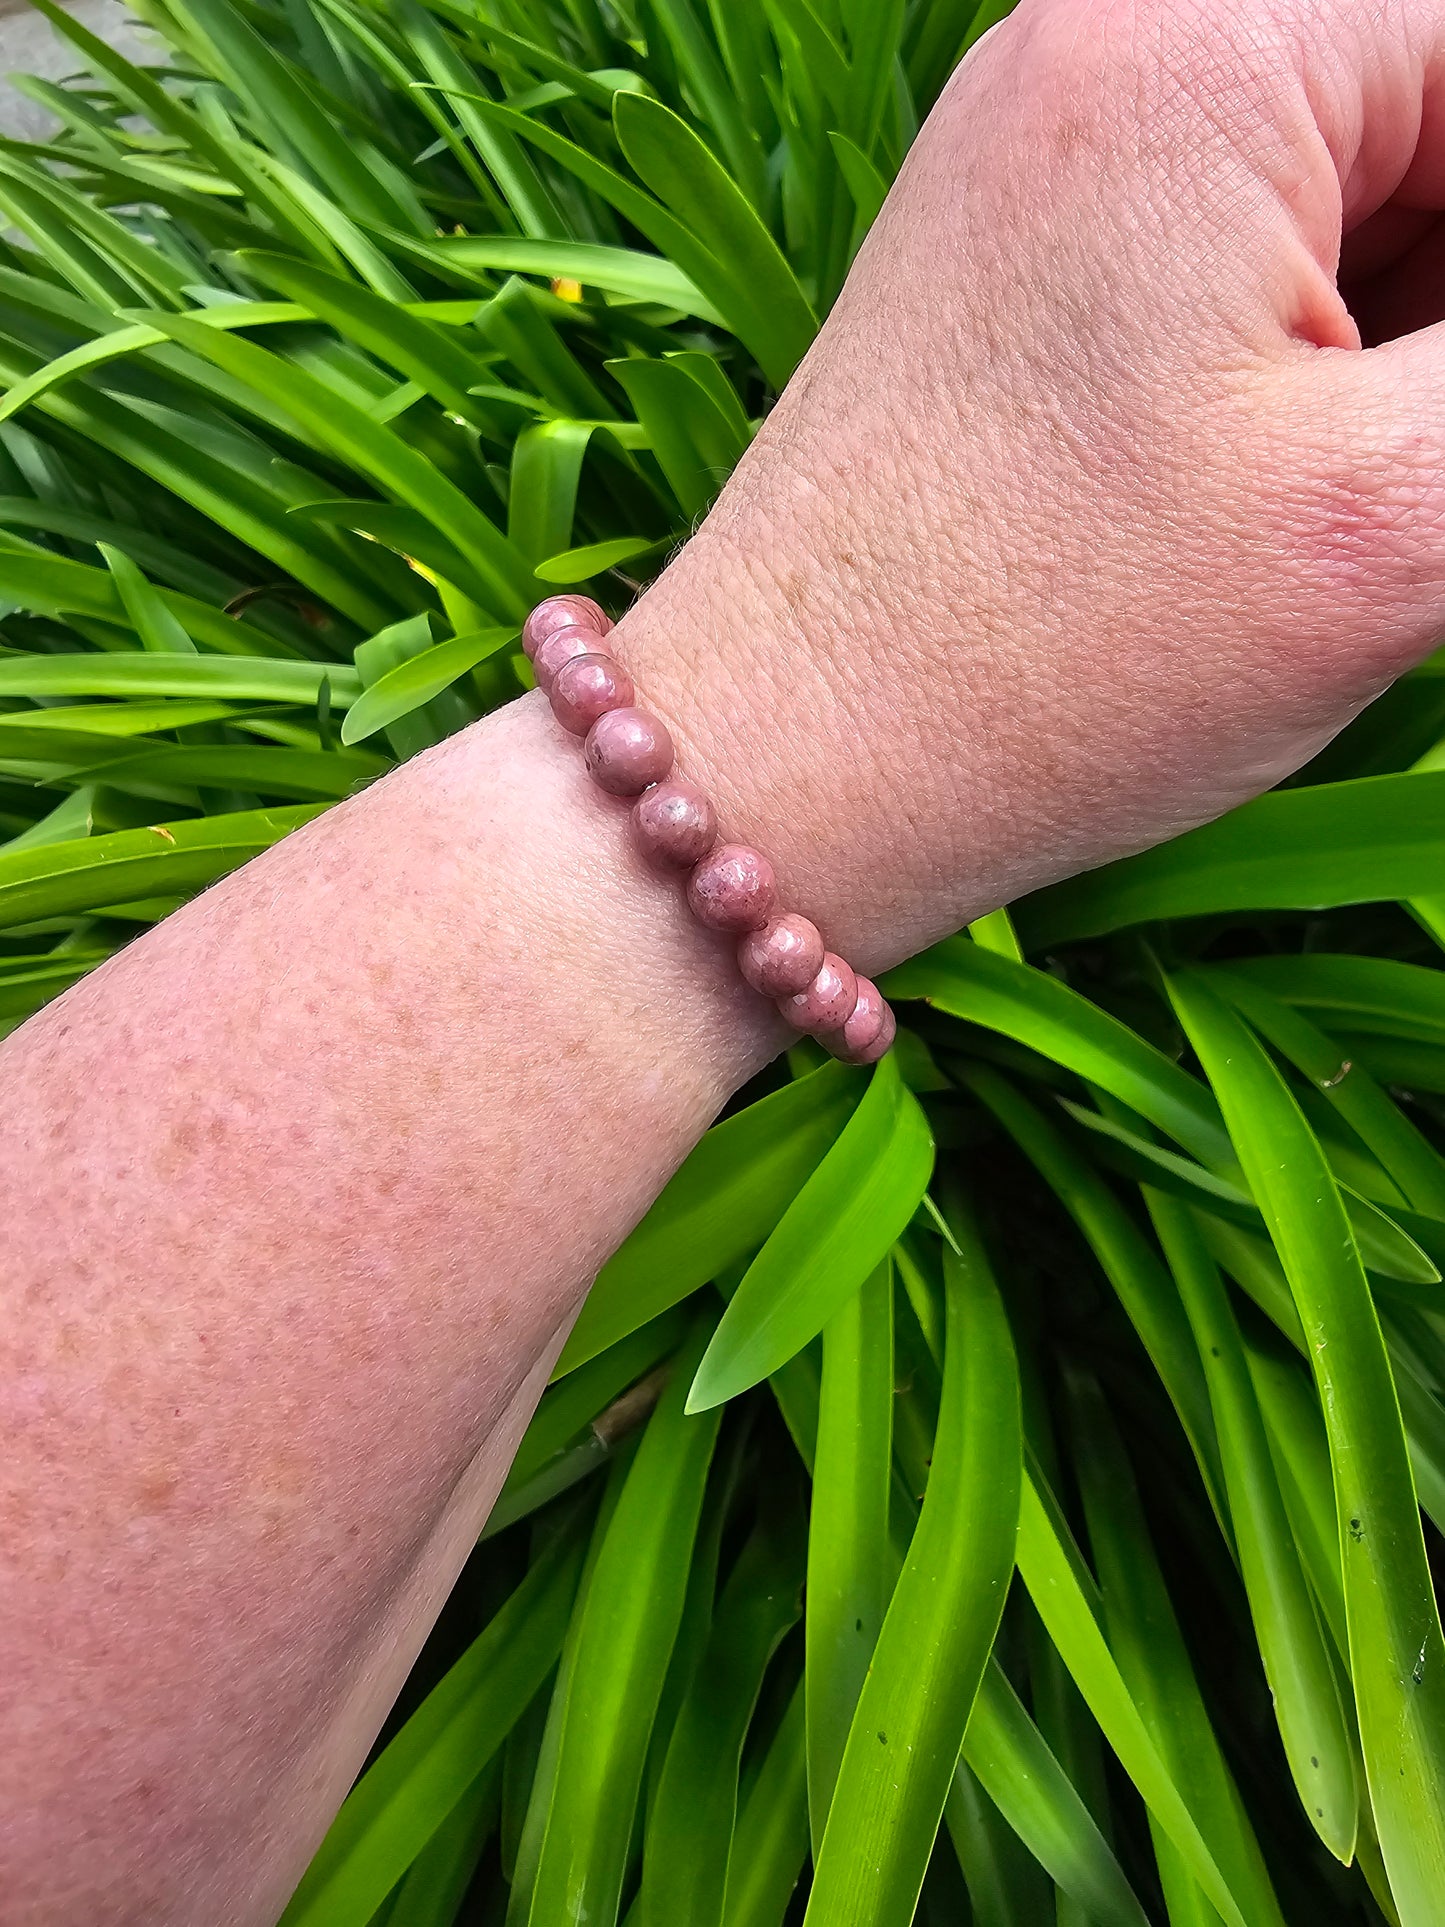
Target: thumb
1354	488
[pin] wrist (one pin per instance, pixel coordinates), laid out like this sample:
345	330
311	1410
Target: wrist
813	698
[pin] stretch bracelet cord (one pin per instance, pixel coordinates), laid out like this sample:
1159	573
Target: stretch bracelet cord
731	887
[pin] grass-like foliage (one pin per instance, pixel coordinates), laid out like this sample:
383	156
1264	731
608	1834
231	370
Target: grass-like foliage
991	1487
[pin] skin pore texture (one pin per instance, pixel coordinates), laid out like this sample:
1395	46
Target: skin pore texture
1096	508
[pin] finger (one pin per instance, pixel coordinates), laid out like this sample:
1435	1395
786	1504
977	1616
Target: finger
1359	501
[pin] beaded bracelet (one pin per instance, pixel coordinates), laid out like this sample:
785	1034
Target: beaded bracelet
730	887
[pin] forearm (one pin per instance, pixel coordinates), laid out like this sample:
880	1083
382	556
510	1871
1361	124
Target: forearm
302	1191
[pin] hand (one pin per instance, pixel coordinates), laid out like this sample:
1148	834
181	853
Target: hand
1090	513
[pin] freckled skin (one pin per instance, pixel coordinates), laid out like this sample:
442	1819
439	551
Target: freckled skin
1087	516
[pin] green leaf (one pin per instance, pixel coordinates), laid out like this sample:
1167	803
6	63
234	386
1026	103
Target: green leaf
830	1238
1292	1643
770	1840
300	773
1356	993
276	98
1397	1656
696	440
851	1567
576	1409
151	617
398	1804
1048	1566
624	271
1384	1244
1023	1778
1144	1287
968	981
434	1886
542	494
1299	849
497	575
52	585
629	1620
1144	1638
905	1738
165	859
416	680
242	679
595	558
765	305
724	1201
690	1826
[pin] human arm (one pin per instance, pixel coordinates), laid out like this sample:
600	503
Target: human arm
1083	521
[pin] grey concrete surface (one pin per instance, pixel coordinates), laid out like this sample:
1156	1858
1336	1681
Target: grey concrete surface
29	45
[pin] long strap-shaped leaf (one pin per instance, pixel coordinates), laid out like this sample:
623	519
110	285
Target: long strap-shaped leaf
1048	1570
1021	1775
984	987
398	1804
774	318
1292	1641
503	580
722	1204
1397	1654
1304	849
1142	1628
690	1824
904	1742
851	1564
1144	1287
831	1237
629	1622
164	859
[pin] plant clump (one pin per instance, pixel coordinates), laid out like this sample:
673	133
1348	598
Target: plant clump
1059	1545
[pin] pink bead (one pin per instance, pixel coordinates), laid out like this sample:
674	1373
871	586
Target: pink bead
562	646
783	957
674	824
869	1031
733	889
586	687
827	1003
626	751
562	612
881	1044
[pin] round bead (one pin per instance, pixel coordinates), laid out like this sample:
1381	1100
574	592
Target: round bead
626	751
882	1041
562	646
827	1003
734	888
586	687
783	957
562	612
674	824
871	1018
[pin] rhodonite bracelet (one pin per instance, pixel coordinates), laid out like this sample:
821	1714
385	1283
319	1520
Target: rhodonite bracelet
731	887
